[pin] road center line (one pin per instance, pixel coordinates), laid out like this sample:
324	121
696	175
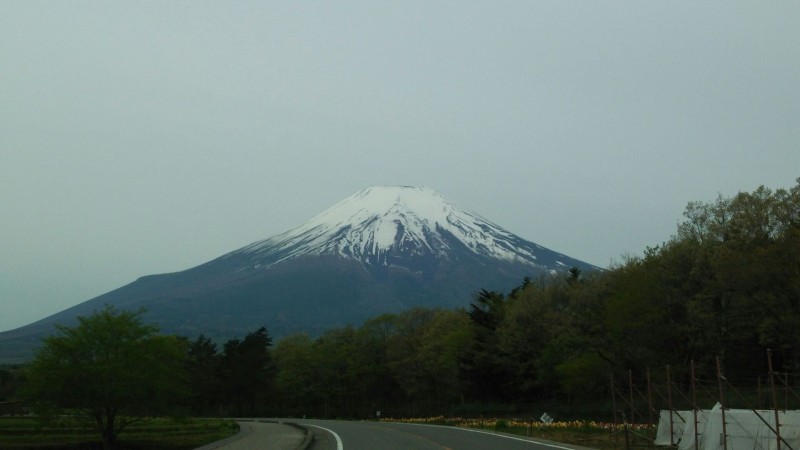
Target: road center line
339	445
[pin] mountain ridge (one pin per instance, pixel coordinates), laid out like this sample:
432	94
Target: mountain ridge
384	249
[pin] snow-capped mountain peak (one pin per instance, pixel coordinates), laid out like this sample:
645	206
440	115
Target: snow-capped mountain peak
383	249
383	222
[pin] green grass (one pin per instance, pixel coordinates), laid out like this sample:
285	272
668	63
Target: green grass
71	433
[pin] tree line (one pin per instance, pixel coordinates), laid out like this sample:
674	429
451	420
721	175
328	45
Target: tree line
726	284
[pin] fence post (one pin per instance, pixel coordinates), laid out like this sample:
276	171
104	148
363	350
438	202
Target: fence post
722	407
613	397
630	394
669	401
785	391
694	411
650	398
627	437
774	399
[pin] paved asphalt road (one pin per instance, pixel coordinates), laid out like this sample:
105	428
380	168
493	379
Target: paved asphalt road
261	435
336	435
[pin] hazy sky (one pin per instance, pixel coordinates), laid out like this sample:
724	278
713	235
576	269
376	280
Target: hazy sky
150	137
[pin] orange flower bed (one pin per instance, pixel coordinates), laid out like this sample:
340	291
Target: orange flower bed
500	423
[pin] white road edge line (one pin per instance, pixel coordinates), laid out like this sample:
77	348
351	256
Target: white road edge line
339	445
487	432
516	438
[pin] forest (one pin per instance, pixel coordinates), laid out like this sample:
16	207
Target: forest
726	285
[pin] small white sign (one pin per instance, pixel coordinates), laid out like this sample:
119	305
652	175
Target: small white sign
546	418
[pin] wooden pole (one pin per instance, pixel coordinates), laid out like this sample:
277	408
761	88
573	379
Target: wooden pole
627	437
722	406
774	399
630	395
613	397
650	398
669	401
694	410
785	391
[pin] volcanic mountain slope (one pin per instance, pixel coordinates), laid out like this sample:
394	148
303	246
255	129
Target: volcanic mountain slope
383	249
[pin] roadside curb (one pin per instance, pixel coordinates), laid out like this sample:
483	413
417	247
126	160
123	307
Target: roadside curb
309	435
243	431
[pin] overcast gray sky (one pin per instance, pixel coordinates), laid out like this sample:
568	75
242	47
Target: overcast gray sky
150	137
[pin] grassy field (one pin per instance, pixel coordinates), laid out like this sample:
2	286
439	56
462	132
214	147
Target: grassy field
70	433
598	435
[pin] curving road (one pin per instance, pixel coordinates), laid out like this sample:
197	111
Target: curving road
259	435
336	435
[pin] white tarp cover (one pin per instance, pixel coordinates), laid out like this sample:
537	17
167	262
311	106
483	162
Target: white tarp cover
790	431
745	429
679	420
687	440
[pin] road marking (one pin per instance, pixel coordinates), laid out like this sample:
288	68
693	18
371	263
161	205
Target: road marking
487	432
516	438
339	445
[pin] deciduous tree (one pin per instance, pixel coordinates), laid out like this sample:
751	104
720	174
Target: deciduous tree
111	367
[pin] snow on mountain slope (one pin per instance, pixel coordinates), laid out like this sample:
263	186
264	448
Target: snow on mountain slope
396	220
384	249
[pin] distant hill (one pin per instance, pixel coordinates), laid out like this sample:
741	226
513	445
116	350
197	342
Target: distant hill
383	249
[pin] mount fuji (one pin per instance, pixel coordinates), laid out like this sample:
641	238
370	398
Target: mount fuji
383	249
401	226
